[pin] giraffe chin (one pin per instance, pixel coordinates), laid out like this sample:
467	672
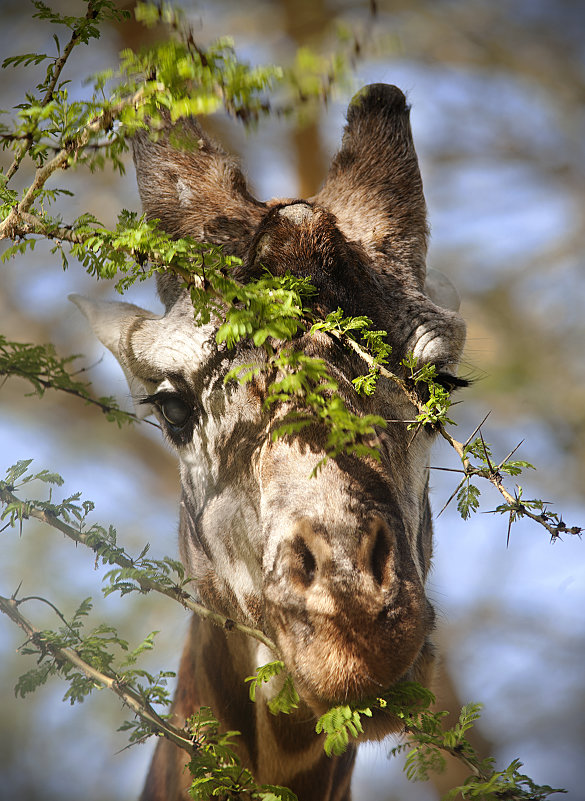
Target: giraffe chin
382	722
360	652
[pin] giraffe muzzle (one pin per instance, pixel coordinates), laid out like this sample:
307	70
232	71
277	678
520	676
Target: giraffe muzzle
349	615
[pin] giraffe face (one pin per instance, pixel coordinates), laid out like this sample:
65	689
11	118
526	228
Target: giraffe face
333	567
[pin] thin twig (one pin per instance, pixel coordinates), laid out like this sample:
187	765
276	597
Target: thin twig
130	697
105	407
146	584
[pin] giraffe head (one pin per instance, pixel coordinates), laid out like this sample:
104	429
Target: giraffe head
333	567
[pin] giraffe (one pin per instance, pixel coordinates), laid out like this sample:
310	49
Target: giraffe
333	567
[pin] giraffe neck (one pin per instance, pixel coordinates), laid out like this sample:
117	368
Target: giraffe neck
278	749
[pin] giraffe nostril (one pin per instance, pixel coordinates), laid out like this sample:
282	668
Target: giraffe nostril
304	562
380	554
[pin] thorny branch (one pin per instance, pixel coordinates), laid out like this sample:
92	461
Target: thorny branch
130	697
471	764
105	407
491	473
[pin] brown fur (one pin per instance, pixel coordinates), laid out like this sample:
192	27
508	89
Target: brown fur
208	676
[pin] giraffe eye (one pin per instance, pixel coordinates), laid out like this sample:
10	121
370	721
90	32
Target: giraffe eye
175	411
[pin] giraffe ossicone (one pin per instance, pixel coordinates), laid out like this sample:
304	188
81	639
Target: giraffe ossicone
333	567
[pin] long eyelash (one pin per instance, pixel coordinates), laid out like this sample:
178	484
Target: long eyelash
157	397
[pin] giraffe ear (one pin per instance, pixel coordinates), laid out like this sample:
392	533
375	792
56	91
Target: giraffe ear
110	321
374	186
108	318
194	188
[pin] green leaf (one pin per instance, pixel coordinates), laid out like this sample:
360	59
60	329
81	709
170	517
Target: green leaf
468	499
286	700
338	724
263	675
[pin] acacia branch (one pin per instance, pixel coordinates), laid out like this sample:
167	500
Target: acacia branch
493	475
131	698
56	72
24	223
106	408
394	377
471	763
490	474
419	734
26	509
11	226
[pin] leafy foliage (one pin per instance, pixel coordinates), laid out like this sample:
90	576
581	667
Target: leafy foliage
428	742
131	573
268	307
374	341
341	722
286	700
216	769
94	649
438	398
43	369
338	724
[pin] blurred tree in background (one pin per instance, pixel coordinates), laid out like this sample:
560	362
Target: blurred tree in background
498	96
